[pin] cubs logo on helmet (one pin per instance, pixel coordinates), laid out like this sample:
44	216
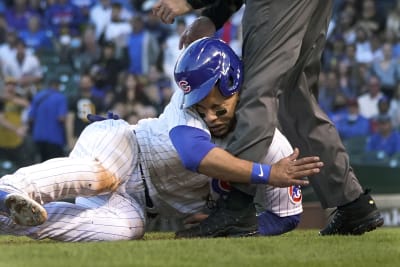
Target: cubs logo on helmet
184	85
295	194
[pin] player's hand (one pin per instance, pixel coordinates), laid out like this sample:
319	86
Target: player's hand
168	10
200	27
291	171
95	117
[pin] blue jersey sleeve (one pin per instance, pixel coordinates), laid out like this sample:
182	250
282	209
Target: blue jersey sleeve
192	145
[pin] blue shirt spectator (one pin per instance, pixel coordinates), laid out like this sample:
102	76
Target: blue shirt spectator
49	110
35	37
63	15
352	124
386	139
143	49
18	15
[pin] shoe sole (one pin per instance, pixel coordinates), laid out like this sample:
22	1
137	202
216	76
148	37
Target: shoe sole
369	226
241	232
374	221
231	231
24	210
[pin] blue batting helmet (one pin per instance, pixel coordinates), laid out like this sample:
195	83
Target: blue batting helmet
204	63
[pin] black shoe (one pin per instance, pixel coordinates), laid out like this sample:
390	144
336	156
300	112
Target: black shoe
355	218
223	222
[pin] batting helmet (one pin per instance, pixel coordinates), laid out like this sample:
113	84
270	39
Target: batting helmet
204	63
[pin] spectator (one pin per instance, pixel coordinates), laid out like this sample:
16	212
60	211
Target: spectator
84	7
228	32
347	82
36	37
13	130
158	89
345	27
132	118
393	20
353	69
334	54
387	71
47	116
67	44
368	102
386	140
143	49
131	95
2	7
353	124
18	15
79	106
376	47
63	15
100	16
3	29
118	29
171	50
370	19
147	112
329	94
7	49
394	110
364	52
394	39
231	32
38	6
106	69
350	55
383	109
89	52
23	66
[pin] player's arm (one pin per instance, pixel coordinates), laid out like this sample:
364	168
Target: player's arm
199	154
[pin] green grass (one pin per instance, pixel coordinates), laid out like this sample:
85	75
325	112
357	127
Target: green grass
298	248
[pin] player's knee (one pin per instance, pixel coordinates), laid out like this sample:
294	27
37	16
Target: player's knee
105	182
271	224
136	229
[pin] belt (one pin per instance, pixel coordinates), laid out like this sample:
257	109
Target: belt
149	202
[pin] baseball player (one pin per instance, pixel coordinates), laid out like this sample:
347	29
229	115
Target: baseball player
118	172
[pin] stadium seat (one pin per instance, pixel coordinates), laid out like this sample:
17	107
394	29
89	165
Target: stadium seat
355	145
7	167
375	158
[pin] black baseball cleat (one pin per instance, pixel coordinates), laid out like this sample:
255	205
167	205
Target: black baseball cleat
224	222
355	218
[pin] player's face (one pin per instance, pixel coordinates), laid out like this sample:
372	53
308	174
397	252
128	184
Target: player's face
218	112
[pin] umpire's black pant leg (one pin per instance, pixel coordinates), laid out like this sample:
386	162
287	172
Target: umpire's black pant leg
273	32
307	126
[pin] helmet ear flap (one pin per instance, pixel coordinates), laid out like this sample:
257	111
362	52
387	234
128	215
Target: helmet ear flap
228	84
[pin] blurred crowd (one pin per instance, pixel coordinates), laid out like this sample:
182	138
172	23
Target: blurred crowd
360	78
63	59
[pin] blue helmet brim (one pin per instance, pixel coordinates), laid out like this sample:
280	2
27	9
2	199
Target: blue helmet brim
200	93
